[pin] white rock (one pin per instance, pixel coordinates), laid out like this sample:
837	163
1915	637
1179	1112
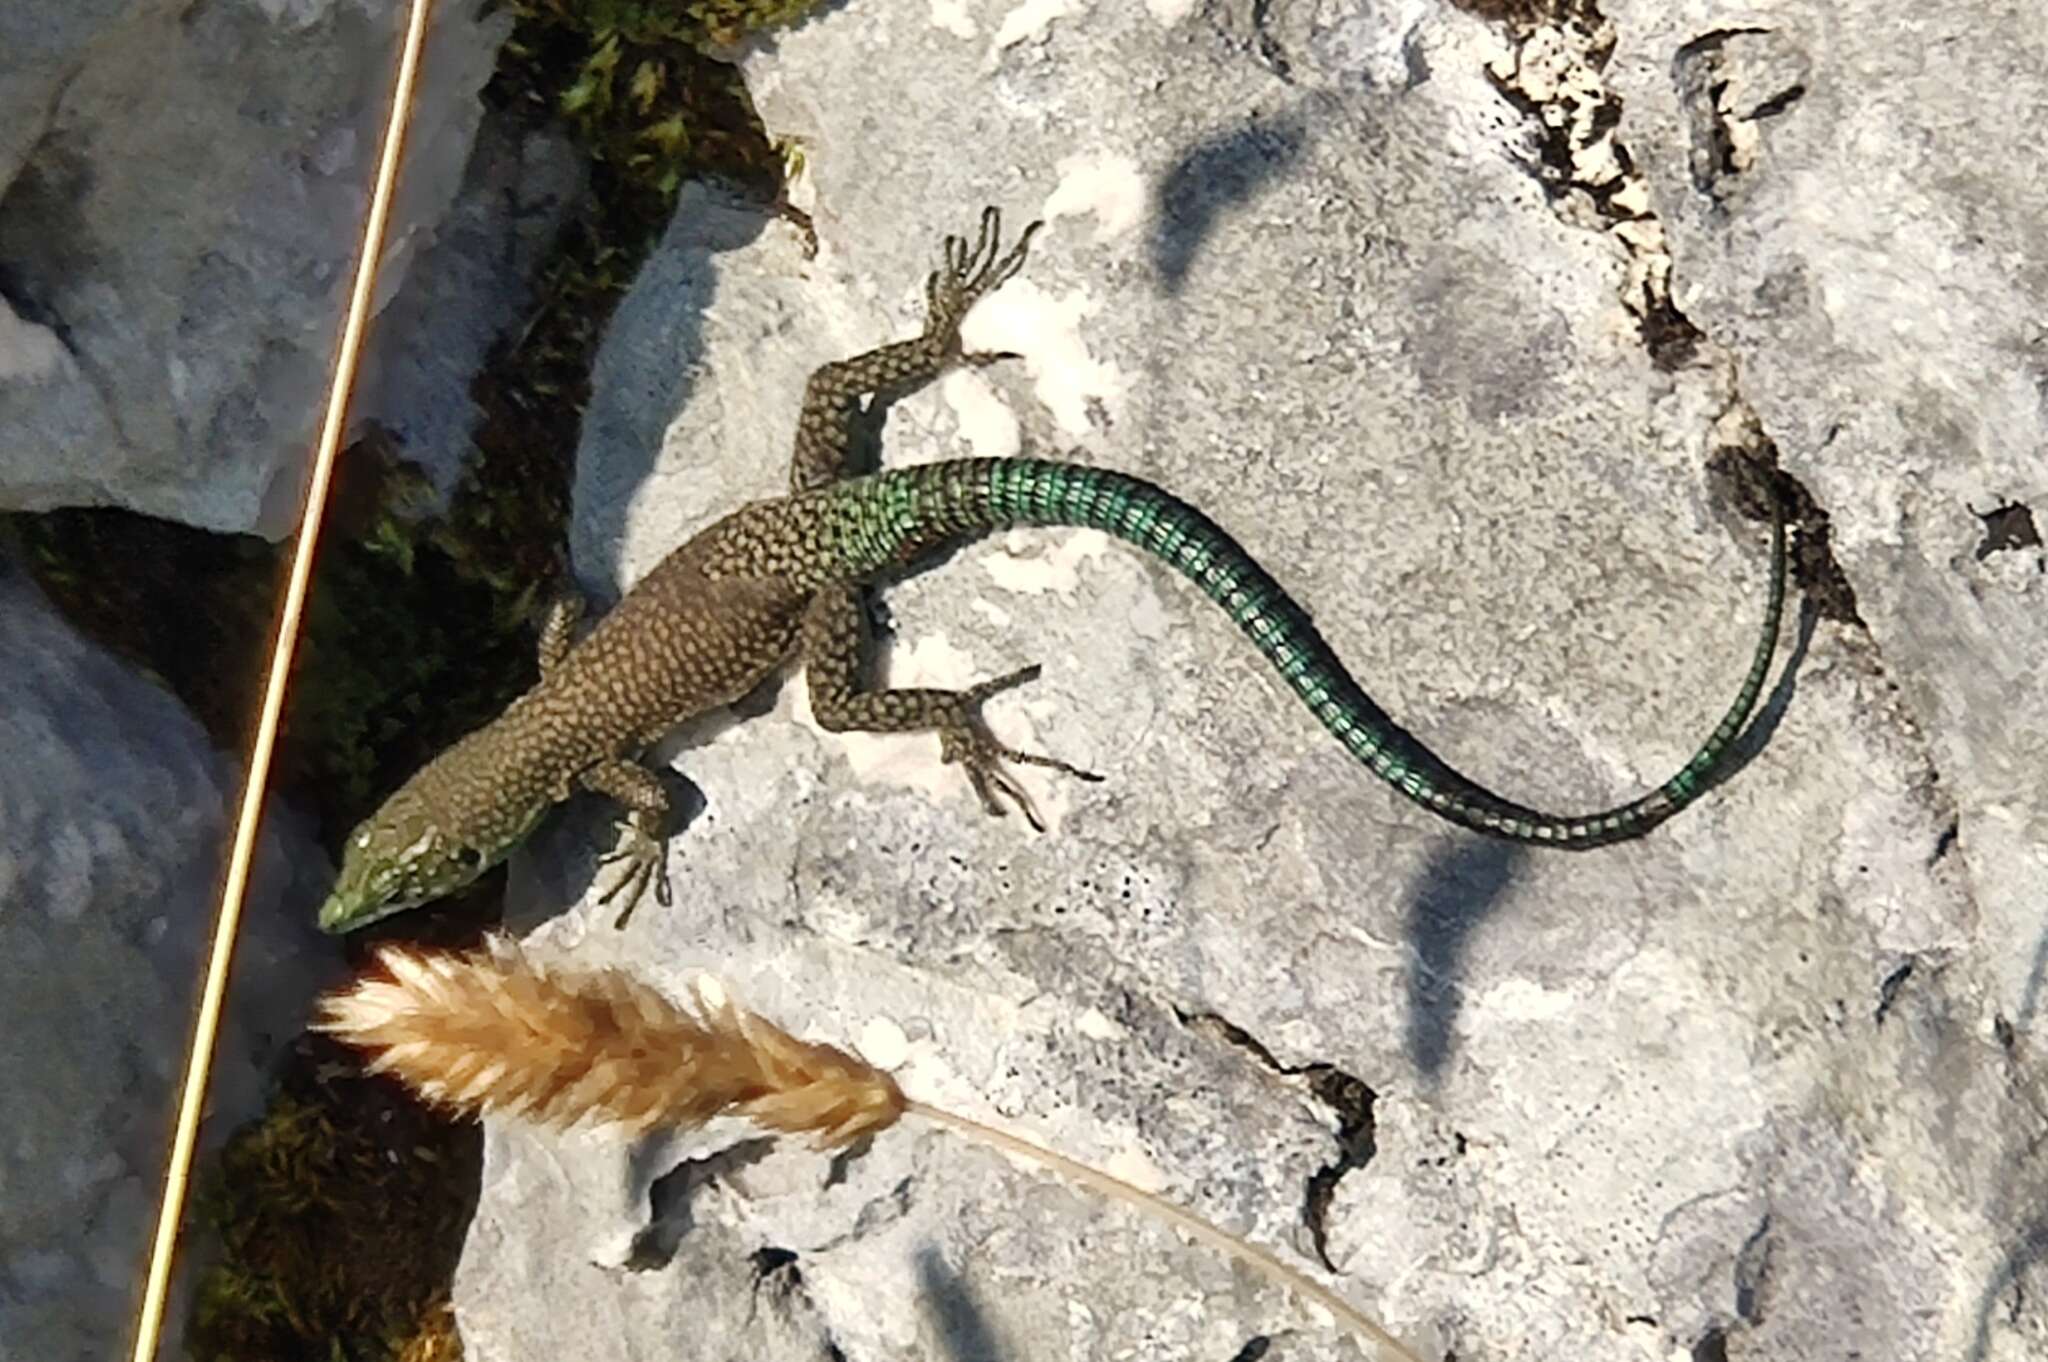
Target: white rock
1669	1098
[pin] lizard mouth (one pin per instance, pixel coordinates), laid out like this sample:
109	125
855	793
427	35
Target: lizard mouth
354	905
343	913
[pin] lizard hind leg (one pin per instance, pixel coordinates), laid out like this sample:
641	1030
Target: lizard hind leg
832	644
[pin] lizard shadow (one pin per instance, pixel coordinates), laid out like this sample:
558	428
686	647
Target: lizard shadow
963	1327
1461	886
1218	173
1763	725
1458	890
2024	1256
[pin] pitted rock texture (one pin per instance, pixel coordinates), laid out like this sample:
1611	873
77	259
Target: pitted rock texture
1764	1084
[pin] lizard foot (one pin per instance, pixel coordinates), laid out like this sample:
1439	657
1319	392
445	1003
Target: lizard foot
646	857
971	273
983	756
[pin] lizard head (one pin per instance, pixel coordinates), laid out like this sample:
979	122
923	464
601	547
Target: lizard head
396	859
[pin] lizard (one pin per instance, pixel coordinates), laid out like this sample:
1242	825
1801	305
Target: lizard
782	577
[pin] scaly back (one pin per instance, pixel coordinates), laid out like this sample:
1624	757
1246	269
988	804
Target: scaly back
865	525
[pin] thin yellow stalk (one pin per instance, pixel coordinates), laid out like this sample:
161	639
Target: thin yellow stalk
1179	1217
560	1045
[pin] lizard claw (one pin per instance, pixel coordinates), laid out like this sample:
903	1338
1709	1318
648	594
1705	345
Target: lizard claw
983	756
646	861
970	273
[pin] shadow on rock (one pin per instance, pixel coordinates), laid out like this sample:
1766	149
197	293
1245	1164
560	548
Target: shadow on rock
1456	893
964	1330
1763	725
669	1213
1223	171
2008	1281
644	369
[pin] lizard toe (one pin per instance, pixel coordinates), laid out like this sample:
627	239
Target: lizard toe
646	862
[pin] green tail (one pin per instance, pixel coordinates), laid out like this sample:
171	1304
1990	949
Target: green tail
889	517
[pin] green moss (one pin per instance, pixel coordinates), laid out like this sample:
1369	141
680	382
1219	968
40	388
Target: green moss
110	573
414	632
341	1213
417	627
689	23
634	79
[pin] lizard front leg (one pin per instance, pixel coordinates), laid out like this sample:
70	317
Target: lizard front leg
825	427
643	840
833	642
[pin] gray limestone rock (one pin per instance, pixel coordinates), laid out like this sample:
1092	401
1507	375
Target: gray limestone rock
1442	320
182	193
114	818
464	292
1857	218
